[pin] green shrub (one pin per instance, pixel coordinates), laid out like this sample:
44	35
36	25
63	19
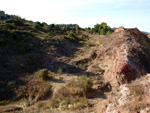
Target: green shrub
71	37
11	84
4	102
84	37
37	25
51	26
2	41
101	42
86	84
77	28
44	74
17	22
9	21
2	13
10	26
108	32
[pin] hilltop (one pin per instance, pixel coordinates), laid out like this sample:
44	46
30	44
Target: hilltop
65	68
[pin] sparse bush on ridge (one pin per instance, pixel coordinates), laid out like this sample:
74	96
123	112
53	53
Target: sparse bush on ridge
77	29
16	22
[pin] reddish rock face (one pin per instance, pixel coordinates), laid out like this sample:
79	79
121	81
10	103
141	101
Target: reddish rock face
120	55
125	67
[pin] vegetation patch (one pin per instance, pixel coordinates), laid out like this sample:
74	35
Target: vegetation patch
73	95
101	42
102	29
4	102
44	75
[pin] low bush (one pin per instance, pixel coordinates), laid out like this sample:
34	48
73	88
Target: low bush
86	84
16	22
101	42
71	37
84	37
10	26
44	74
4	102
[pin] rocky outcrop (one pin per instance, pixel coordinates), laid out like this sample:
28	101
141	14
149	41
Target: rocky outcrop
119	29
124	68
131	98
121	58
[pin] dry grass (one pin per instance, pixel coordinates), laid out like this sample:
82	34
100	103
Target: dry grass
35	88
59	71
73	95
137	92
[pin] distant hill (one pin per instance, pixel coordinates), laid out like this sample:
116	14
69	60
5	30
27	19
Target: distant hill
68	25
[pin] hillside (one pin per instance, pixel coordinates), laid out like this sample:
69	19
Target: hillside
65	68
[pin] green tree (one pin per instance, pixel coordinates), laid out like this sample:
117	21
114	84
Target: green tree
104	25
102	28
2	13
96	28
37	25
16	22
52	25
108	32
102	32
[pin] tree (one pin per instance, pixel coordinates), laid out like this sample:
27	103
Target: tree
37	25
102	32
102	28
96	28
2	13
99	29
51	25
108	32
16	22
104	25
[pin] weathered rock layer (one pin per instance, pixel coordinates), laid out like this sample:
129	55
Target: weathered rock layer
123	56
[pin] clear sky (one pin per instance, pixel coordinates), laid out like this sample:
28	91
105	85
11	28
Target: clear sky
86	13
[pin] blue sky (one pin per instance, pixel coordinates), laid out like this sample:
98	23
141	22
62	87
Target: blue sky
86	13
